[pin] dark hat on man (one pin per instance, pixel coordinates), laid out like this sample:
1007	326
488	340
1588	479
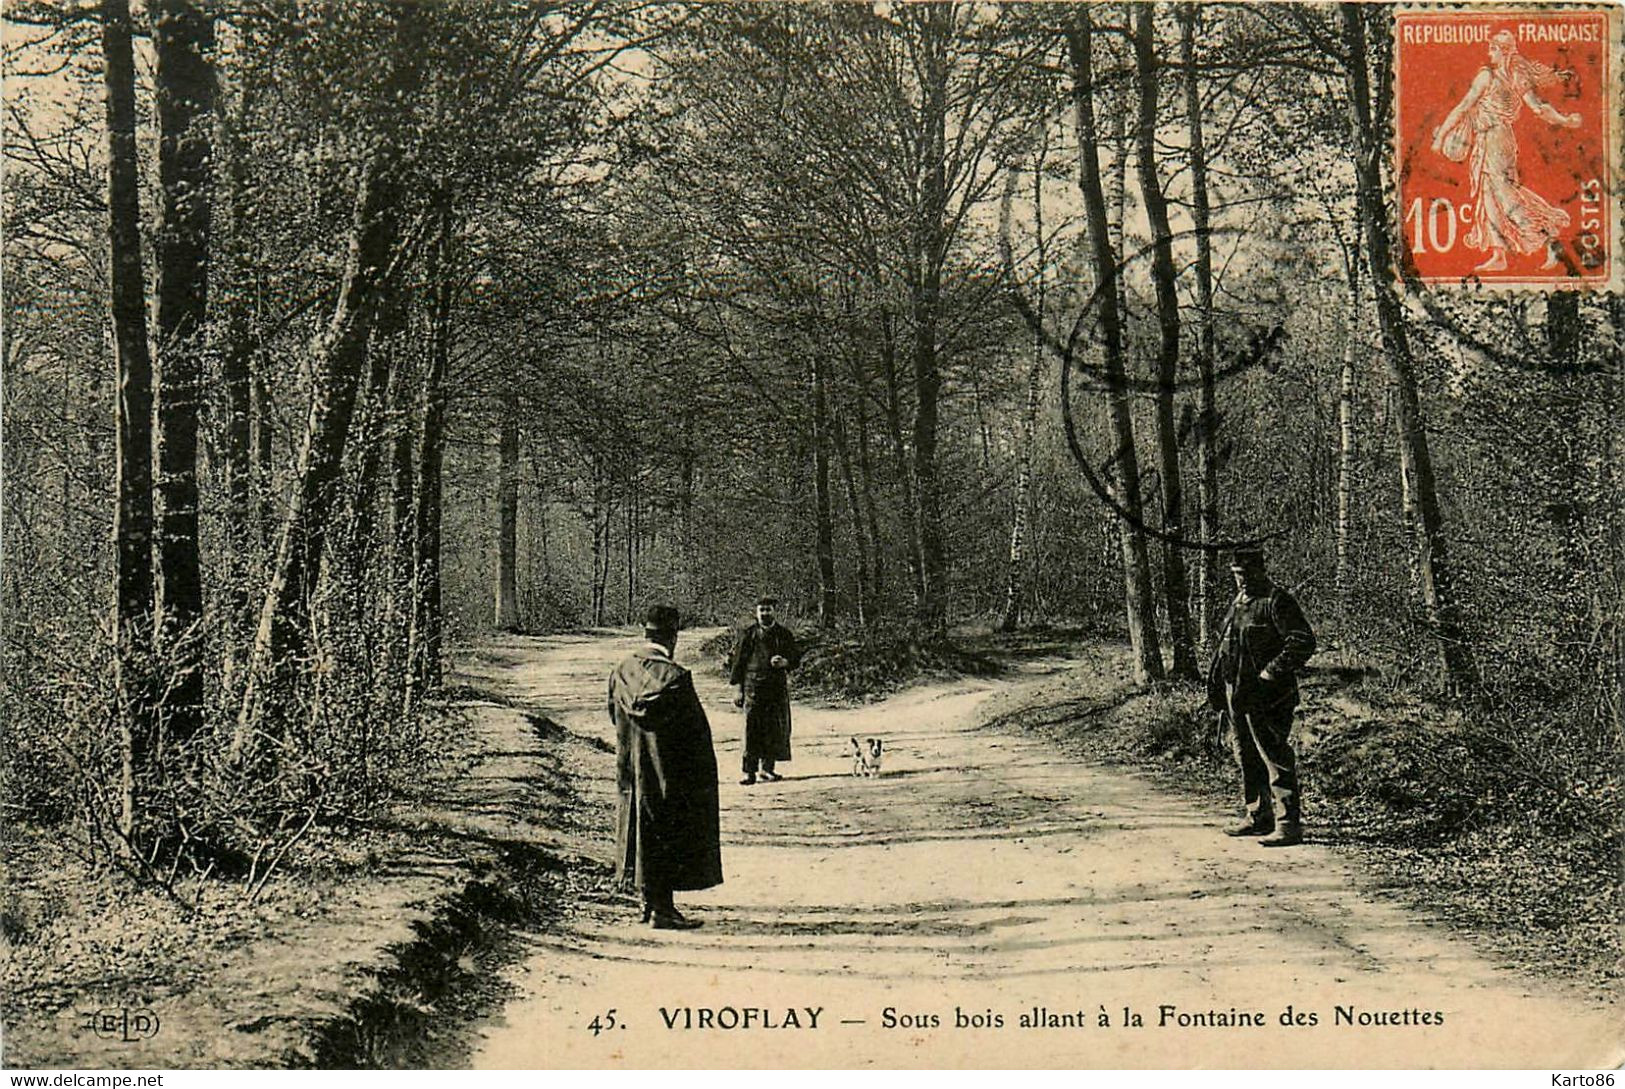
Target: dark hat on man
1247	558
767	601
661	618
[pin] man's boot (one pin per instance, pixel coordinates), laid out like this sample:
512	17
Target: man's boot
667	917
674	920
1252	826
1286	834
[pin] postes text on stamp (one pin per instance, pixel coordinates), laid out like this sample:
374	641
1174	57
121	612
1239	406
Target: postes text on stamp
1505	137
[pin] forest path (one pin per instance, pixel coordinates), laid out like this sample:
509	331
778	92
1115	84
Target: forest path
983	875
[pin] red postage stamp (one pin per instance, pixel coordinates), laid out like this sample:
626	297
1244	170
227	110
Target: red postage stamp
1506	133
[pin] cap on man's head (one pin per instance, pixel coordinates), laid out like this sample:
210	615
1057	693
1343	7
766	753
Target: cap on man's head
769	601
660	618
1247	558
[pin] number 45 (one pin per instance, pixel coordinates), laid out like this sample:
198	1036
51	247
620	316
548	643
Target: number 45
605	1020
1440	225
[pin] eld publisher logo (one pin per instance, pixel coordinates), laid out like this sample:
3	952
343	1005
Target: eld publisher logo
124	1024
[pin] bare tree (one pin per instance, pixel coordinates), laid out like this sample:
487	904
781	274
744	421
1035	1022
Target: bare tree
1011	618
1125	480
1176	593
1416	462
1207	414
339	362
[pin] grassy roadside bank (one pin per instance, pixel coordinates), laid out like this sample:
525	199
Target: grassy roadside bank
1395	783
374	945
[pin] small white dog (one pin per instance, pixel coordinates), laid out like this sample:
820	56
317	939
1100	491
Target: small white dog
866	756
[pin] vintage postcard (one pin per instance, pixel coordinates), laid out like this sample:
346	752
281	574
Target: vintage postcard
836	535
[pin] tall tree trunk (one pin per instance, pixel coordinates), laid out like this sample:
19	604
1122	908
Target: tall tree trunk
824	519
1345	424
1116	180
1014	582
402	422
1029	419
506	617
339	358
1563	330
1572	506
427	612
871	515
600	541
900	459
687	475
1457	670
1176	590
859	531
384	353
132	517
237	367
264	450
631	545
1345	461
182	35
929	253
984	430
1125	475
1207	426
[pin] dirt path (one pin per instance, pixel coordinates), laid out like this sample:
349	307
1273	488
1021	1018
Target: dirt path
983	877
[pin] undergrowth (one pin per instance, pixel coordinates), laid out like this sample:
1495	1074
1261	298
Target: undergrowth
852	663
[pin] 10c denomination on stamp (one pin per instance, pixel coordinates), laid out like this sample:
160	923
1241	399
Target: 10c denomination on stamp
1506	134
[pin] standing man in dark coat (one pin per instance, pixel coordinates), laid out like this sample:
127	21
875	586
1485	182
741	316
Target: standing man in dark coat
1253	679
761	668
667	836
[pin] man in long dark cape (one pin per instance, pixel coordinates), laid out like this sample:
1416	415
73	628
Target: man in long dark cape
668	837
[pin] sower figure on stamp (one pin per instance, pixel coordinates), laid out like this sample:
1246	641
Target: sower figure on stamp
1506	213
761	668
667	832
1252	679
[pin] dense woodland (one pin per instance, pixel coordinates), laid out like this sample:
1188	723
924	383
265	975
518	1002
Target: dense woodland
338	333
